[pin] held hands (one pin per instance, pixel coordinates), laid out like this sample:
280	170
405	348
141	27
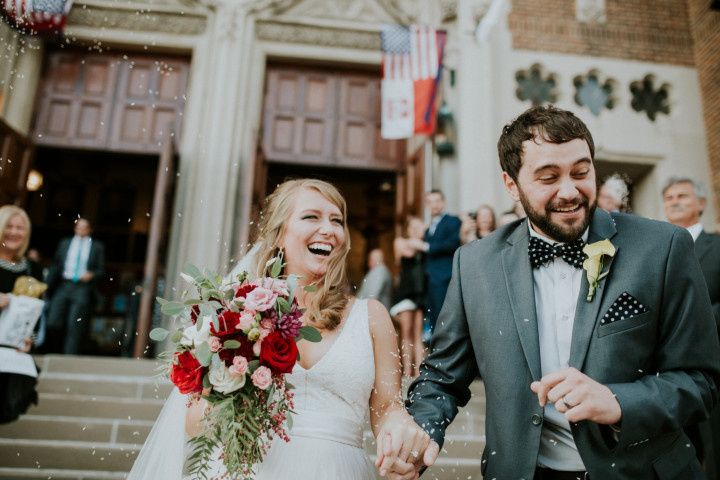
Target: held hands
86	277
578	396
403	447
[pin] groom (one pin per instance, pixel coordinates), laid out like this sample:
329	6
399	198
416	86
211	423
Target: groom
580	382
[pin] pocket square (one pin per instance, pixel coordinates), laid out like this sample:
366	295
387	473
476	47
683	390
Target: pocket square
624	307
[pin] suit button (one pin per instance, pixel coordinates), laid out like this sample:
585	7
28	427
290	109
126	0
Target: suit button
536	419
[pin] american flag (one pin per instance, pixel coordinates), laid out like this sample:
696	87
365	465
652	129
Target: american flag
37	16
412	63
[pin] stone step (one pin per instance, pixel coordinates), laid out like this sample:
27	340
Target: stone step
85	429
60	404
58	474
105	385
59	454
98	365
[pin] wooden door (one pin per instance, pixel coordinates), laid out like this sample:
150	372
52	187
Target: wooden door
410	190
110	102
323	117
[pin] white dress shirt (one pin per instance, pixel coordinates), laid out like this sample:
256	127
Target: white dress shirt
78	246
695	230
557	286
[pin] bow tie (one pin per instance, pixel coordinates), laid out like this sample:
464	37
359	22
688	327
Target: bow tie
541	252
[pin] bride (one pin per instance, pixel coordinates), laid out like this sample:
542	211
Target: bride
350	376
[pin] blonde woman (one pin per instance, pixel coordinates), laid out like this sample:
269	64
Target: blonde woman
352	375
17	391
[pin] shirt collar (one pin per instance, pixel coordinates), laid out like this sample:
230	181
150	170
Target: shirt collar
542	237
695	230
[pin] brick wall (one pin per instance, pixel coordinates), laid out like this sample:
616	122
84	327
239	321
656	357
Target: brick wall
705	28
644	30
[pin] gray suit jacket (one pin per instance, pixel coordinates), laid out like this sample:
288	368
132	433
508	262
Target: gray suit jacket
663	365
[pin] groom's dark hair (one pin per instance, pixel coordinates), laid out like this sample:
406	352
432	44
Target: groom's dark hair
552	124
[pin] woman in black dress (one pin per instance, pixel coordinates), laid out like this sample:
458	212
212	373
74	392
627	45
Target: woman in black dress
17	391
409	295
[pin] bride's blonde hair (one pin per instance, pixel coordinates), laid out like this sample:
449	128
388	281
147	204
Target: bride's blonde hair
324	308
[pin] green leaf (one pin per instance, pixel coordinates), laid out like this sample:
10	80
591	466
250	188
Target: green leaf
283	305
310	288
276	268
311	334
203	354
158	334
231	344
161	301
192	270
172	308
292	282
192	301
253	365
290	422
176	336
206	381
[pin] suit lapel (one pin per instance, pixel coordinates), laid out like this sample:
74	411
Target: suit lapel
519	284
586	313
702	245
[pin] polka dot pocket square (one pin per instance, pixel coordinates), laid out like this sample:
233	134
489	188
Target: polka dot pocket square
624	307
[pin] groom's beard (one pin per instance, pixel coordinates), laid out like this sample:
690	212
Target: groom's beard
558	231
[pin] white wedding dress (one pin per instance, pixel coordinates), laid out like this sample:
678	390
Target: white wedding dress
331	412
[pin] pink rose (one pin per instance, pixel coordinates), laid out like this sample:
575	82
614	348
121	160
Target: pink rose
262	378
215	344
267	324
239	366
260	299
247	320
278	286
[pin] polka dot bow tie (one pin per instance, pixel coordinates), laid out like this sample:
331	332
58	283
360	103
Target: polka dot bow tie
541	252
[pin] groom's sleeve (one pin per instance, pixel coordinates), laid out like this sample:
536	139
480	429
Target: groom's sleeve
446	374
684	386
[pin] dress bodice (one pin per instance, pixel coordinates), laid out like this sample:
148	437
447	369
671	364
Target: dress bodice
332	397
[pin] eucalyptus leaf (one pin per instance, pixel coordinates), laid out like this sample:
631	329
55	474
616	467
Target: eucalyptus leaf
192	301
176	336
292	282
231	344
203	354
311	334
158	334
310	288
206	381
253	365
192	270
172	308
161	301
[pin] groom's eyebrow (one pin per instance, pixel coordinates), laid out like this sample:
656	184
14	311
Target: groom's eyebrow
551	166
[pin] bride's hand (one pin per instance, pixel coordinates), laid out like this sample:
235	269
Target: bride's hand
401	444
194	415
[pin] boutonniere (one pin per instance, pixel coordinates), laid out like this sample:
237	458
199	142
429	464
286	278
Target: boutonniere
593	264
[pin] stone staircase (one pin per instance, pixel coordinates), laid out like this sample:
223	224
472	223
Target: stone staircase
94	413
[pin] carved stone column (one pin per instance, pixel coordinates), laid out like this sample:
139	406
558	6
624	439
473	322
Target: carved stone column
211	152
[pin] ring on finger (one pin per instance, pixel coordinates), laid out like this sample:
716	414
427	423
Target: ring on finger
415	453
567	405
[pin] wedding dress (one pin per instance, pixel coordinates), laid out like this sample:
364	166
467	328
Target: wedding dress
331	411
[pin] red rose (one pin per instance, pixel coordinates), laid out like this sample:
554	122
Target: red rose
227	322
245	349
243	290
194	312
278	353
187	373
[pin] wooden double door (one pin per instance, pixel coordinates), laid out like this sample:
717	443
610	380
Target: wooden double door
325	123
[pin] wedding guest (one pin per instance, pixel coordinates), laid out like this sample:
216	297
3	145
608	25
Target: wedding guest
17	391
613	195
442	238
508	217
377	283
684	200
78	266
584	378
478	224
410	295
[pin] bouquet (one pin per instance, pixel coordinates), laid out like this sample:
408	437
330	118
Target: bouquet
236	343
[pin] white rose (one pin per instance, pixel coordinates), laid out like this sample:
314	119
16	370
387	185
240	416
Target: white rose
223	380
193	336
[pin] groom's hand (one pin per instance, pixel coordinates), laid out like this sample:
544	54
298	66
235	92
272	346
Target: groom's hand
578	396
402	443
